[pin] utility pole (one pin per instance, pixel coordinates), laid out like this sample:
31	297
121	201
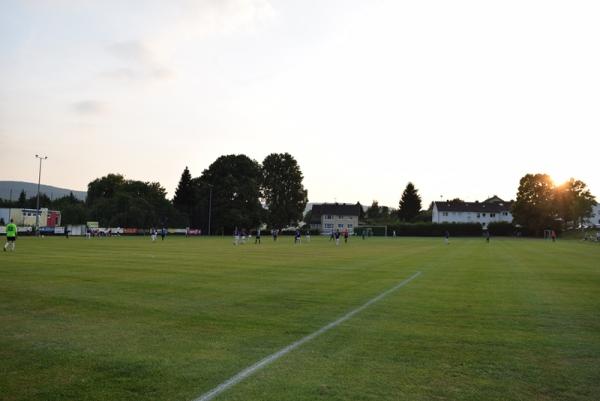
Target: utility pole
210	187
9	207
37	213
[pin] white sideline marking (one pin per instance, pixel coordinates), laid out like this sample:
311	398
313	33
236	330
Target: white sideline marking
273	357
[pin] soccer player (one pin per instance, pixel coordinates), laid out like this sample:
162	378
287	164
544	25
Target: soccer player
447	237
297	237
257	238
153	234
307	235
236	236
163	233
11	236
487	236
345	235
337	237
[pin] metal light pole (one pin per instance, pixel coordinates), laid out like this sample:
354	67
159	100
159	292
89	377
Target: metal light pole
9	207
37	213
210	187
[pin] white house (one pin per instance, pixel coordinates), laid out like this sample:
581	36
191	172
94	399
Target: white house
328	217
490	210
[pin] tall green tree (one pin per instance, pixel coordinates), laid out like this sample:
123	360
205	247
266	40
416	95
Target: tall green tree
574	202
283	191
361	212
374	212
104	188
184	198
234	181
410	203
535	207
72	210
114	201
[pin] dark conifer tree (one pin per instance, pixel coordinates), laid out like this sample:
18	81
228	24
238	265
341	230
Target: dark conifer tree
22	202
184	194
410	204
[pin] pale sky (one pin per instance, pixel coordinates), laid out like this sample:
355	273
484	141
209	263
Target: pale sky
460	97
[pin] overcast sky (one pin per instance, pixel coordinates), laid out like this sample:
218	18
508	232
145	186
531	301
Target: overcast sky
460	97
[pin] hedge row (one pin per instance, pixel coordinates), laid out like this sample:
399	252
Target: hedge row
435	229
456	229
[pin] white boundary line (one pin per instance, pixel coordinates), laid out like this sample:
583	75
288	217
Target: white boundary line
273	357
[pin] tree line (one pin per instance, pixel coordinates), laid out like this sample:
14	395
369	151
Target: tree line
541	204
236	191
239	191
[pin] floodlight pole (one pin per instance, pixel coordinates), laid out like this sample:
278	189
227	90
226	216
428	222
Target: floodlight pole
210	187
9	207
37	213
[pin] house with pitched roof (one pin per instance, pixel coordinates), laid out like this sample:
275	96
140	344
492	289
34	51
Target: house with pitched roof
490	210
328	217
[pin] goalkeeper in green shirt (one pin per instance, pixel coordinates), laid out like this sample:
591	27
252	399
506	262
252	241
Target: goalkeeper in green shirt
11	236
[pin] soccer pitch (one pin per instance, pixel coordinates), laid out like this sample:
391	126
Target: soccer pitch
128	319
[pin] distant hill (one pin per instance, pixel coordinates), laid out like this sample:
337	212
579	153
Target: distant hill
31	190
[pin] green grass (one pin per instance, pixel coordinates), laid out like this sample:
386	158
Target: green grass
127	319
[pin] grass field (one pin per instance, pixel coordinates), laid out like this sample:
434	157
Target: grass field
128	319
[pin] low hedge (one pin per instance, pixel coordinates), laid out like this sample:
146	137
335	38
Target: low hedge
435	229
502	229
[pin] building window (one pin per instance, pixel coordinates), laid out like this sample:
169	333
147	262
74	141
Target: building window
340	225
328	217
483	214
340	217
445	214
350	226
492	214
328	225
478	215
